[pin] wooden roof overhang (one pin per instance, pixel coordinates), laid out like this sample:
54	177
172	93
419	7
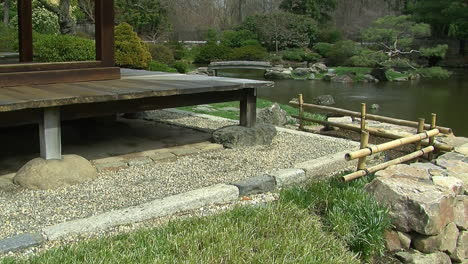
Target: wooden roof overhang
29	73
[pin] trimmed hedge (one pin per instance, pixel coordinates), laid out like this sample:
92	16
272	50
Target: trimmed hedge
249	53
61	48
212	52
130	51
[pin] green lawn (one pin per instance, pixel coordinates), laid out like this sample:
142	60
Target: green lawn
324	222
261	103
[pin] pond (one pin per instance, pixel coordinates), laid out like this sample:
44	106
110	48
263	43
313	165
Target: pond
405	100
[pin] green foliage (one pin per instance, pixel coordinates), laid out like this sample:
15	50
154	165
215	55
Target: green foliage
130	51
347	211
323	48
301	55
329	35
237	39
437	51
8	38
178	49
212	52
211	36
434	73
319	10
161	53
147	17
342	51
159	66
401	63
61	48
44	21
249	53
282	30
181	66
395	34
367	58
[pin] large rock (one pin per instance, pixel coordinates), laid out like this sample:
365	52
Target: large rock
325	99
419	258
342	79
320	67
278	74
302	72
415	205
41	174
461	212
239	136
452	184
463	149
371	79
445	241
379	74
403	170
461	252
431	169
273	115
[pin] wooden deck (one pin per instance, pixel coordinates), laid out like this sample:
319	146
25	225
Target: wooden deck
137	91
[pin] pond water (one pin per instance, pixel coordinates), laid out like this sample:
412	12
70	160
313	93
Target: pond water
405	100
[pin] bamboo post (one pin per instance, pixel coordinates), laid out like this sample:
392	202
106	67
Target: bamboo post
432	139
362	173
364	137
301	111
421	123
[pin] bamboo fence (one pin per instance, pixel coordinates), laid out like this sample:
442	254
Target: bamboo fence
366	150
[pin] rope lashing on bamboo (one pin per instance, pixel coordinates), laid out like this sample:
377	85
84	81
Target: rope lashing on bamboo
390	145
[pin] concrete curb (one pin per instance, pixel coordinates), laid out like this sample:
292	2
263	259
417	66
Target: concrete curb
220	193
20	242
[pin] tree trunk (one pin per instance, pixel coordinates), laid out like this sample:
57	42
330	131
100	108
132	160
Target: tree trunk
6	12
66	22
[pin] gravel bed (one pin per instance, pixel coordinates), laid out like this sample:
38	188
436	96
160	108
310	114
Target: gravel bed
28	211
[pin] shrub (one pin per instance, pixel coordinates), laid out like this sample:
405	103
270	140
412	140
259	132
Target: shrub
311	57
181	66
249	53
212	52
130	51
367	58
161	53
159	66
323	48
301	55
178	50
399	63
434	54
8	38
329	35
348	211
342	51
434	73
61	48
237	39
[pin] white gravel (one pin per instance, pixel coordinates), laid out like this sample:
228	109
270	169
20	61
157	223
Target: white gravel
28	211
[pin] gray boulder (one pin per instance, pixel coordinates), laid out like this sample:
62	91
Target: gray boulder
239	136
319	67
370	79
375	107
415	204
416	257
278	74
303	72
329	76
342	79
325	99
41	174
273	115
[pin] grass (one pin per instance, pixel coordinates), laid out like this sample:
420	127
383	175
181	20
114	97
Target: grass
392	75
347	211
261	103
276	233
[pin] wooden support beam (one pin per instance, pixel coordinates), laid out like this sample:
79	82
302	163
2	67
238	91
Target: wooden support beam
248	108
25	35
50	134
104	19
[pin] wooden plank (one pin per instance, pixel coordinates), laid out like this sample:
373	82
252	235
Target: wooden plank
58	76
25	67
104	20
25	36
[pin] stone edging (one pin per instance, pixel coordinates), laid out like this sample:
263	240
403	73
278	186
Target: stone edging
217	194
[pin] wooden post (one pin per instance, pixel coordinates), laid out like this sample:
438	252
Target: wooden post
25	35
421	124
301	111
248	108
432	139
50	134
364	137
104	20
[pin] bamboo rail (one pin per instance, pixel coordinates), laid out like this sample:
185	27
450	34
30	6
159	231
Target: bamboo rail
362	173
374	132
390	120
390	145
